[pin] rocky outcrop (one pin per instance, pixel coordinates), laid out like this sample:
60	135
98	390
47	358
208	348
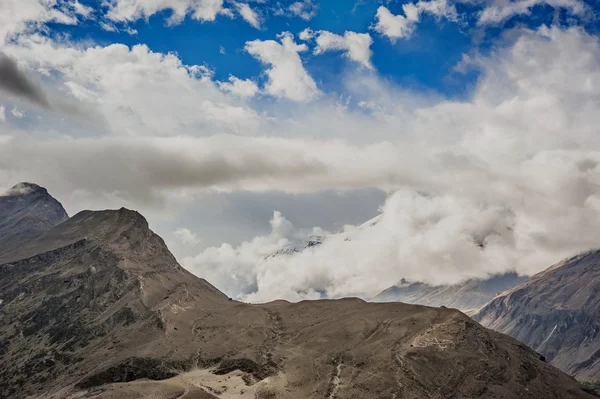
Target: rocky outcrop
557	313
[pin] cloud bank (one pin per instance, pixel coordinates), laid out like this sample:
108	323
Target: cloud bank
506	179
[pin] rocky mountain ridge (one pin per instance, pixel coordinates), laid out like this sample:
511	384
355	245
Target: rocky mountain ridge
97	307
557	313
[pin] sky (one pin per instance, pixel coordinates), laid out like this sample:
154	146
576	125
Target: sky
434	140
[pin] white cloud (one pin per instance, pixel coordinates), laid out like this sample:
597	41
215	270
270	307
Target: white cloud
499	11
17	113
186	236
108	27
249	15
2	113
80	9
527	136
287	76
444	233
17	16
136	91
244	88
233	268
403	26
132	10
305	9
356	46
508	177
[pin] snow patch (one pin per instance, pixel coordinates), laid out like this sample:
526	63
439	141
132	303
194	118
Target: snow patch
551	332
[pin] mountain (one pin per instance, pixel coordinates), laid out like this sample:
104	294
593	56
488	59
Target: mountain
466	296
26	211
98	307
557	313
98	289
299	246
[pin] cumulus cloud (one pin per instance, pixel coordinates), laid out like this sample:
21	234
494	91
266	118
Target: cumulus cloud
356	46
452	236
249	15
245	88
499	11
287	77
17	16
136	90
2	113
508	181
403	26
132	10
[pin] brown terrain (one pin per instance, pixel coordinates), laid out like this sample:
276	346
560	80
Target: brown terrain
97	307
556	312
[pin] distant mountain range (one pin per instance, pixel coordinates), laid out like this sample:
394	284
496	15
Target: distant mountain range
467	296
96	306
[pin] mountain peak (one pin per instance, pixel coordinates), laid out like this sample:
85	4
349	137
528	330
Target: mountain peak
114	218
25	188
26	211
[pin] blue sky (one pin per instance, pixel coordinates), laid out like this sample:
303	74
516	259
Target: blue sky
424	61
239	128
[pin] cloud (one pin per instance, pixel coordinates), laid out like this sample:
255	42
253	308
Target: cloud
17	16
244	88
132	10
249	15
17	113
15	82
186	236
445	233
305	9
233	269
2	113
135	90
287	77
356	46
509	180
80	9
148	169
507	177
403	26
500	11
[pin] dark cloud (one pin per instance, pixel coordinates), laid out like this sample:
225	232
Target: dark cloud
14	81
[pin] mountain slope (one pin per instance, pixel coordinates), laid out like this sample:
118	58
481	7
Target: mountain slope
98	307
26	211
96	285
557	313
465	296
